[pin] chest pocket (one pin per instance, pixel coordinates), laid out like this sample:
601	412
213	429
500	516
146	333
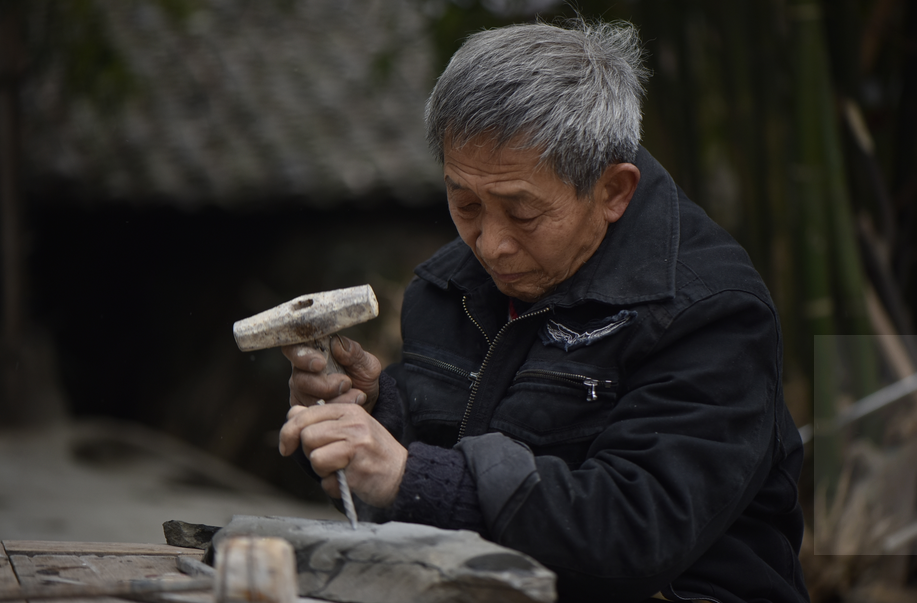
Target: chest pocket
558	408
439	385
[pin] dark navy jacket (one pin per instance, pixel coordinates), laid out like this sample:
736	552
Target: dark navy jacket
628	430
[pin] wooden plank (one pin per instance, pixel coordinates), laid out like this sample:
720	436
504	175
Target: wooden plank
92	569
51	547
28	575
113	568
7	575
51	570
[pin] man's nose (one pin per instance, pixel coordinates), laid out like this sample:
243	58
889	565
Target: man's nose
495	240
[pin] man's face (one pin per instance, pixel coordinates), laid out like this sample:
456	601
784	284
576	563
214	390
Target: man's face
526	226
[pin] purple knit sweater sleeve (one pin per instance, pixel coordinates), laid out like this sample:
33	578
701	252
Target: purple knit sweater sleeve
388	409
438	490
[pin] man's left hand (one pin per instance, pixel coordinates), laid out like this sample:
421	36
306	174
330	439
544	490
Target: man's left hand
345	436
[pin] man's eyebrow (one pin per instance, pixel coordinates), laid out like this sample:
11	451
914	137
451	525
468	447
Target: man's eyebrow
452	185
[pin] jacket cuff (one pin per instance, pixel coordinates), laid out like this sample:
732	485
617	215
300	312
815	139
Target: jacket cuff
437	490
504	471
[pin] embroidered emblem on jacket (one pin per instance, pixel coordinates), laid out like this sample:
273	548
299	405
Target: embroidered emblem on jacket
565	338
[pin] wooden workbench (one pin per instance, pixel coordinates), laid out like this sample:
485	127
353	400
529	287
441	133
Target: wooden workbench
35	563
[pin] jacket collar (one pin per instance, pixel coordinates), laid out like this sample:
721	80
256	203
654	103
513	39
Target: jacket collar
634	264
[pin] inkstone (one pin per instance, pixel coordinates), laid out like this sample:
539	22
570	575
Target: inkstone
396	562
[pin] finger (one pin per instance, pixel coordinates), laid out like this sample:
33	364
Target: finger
332	457
298	399
306	387
353	396
289	433
304	357
309	427
294	412
330	486
364	368
359	362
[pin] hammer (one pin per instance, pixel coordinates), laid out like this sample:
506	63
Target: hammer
311	320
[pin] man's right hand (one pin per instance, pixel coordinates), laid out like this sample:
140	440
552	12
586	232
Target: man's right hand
360	385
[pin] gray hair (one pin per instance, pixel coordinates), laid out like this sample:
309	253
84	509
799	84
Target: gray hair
573	91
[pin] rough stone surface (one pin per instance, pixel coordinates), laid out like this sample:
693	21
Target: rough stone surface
396	562
189	535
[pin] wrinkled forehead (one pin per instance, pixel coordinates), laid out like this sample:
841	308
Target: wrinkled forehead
496	145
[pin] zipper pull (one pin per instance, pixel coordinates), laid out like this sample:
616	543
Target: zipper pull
591	384
473	377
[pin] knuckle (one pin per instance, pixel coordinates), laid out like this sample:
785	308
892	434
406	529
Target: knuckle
296	379
348	412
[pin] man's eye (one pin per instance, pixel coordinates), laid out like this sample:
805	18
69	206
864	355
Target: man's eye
468	208
523	219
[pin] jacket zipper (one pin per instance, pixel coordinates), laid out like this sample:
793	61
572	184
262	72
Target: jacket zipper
476	323
443	365
589	383
490	350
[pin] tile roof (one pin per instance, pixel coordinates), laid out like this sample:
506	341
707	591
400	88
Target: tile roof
244	103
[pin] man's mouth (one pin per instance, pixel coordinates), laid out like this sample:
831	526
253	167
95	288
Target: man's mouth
507	277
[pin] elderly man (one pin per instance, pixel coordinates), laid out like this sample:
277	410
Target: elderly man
591	373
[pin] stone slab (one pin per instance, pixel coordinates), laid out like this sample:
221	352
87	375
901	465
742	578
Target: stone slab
399	562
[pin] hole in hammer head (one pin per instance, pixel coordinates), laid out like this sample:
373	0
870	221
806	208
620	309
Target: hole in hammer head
303	304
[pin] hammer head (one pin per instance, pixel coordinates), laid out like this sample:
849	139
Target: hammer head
306	318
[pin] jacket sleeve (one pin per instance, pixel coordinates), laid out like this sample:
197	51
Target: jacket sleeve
688	445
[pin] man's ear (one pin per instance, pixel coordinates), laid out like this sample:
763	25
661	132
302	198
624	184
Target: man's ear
615	189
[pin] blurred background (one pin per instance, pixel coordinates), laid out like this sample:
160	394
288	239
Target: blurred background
168	167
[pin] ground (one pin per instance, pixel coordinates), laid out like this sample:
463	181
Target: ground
107	481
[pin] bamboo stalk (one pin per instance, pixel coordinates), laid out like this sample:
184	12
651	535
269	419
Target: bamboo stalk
783	277
852	316
742	134
895	347
813	243
888	293
856	124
